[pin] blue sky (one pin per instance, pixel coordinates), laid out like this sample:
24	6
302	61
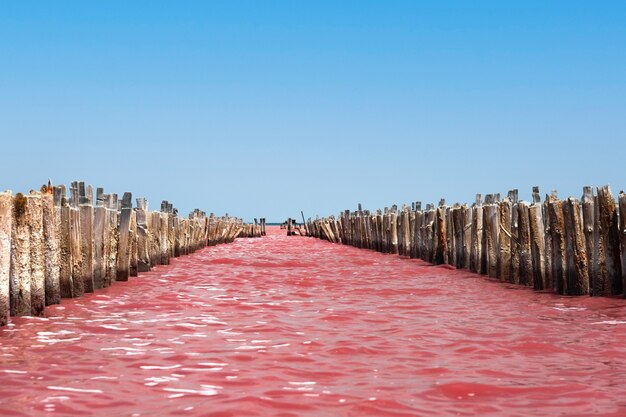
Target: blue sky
266	108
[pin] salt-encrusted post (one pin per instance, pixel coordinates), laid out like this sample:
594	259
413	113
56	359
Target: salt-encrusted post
537	242
134	259
86	236
34	207
6	219
20	258
99	237
123	252
62	214
163	239
588	204
111	239
51	248
78	286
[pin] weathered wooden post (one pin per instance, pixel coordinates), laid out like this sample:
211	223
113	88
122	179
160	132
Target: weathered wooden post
589	220
477	236
576	258
450	254
51	248
154	226
491	225
394	229
537	242
515	246
112	243
6	220
86	237
133	269
20	258
622	235
99	237
608	278
164	238
123	251
557	234
406	232
547	243
439	240
143	240
34	206
62	213
505	240
467	235
525	256
457	220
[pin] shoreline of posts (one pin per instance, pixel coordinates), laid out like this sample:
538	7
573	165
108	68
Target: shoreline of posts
570	247
54	247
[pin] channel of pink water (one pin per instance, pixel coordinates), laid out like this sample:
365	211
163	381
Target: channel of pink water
300	327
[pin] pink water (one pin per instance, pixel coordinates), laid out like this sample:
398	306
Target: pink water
300	327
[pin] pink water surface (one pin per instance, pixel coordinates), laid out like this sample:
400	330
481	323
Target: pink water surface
289	326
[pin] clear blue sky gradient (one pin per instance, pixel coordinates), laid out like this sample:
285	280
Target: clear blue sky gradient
266	108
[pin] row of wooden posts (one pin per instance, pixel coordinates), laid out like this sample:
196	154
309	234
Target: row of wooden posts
54	247
571	246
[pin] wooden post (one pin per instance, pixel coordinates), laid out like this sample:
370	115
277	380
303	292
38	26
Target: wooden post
6	220
477	236
20	258
537	243
457	220
491	217
576	258
467	235
112	243
406	232
164	241
526	263
143	238
505	240
78	286
155	231
557	232
450	254
34	206
394	230
608	280
123	247
51	249
439	240
547	243
133	270
86	239
588	204
62	213
515	246
622	235
99	228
